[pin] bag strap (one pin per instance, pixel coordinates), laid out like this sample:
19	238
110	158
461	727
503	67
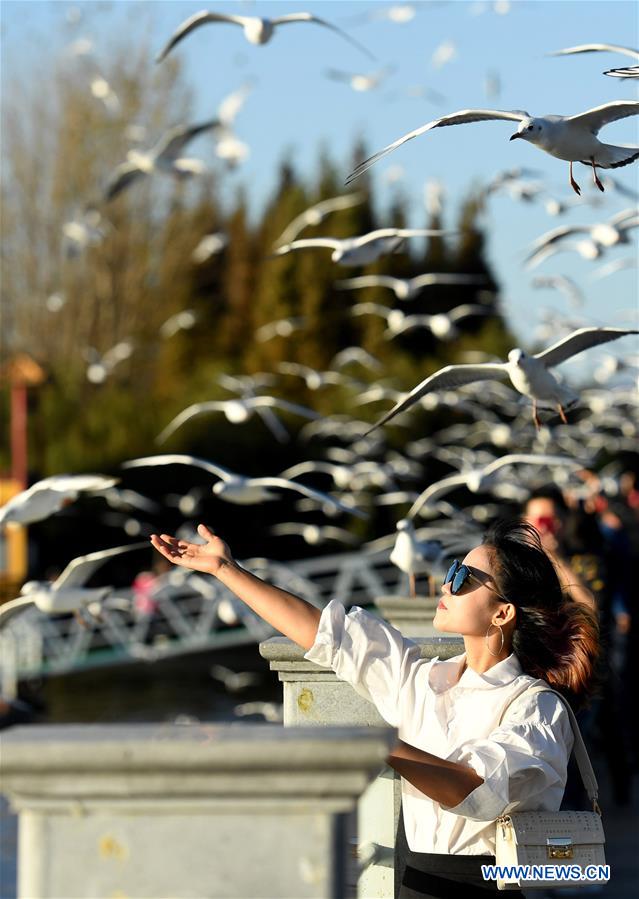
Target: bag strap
579	747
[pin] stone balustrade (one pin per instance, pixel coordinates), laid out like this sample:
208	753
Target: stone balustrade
315	696
210	811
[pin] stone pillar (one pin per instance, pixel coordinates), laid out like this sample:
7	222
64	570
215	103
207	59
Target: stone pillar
210	811
314	696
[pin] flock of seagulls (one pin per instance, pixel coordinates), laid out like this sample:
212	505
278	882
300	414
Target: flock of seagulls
358	471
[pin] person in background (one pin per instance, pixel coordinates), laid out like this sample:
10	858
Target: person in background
590	568
547	512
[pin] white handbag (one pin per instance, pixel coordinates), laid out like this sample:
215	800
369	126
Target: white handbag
551	839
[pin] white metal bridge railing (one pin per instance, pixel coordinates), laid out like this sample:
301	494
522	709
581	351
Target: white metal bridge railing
192	613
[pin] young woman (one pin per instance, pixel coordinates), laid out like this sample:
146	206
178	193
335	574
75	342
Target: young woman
461	765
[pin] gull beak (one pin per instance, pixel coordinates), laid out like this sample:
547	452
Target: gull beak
516	134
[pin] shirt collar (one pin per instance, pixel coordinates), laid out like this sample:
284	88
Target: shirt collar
444	674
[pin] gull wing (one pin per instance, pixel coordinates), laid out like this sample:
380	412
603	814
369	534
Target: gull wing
578	341
80	569
624	72
597	48
173	142
232	104
370	309
448	377
555	234
367	281
321	209
463	117
400	232
309	17
445	278
331	242
528	459
121	178
186	414
434	491
180	459
468	309
14	607
595	119
193	22
307	491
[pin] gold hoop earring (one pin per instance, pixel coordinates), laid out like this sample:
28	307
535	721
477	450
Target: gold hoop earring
502	640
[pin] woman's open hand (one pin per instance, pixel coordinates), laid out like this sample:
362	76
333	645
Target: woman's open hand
208	557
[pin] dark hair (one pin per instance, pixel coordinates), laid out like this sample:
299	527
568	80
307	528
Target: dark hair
555	637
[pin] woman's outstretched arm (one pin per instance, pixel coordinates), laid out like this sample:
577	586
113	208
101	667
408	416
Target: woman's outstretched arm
289	614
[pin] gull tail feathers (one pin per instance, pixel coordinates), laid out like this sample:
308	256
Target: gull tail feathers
611	157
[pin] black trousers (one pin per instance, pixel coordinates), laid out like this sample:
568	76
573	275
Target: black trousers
438	876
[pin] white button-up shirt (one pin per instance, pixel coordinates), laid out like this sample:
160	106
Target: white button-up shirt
523	761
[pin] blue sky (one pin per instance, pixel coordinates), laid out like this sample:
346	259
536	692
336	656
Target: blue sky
296	107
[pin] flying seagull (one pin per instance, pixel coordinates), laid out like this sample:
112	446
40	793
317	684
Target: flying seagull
529	375
165	156
480	479
365	248
407	288
573	138
50	495
237	411
316	214
237	488
256	30
67	593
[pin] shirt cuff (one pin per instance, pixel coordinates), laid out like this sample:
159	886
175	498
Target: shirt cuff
329	631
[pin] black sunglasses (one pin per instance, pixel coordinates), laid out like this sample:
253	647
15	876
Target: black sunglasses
458	574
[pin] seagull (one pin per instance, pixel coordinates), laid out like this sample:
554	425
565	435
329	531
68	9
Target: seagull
102	364
256	30
360	82
316	214
407	288
237	488
529	375
282	327
48	496
273	712
618	265
355	355
478	480
67	593
235	681
572	138
228	146
163	157
562	283
605	234
313	534
624	72
85	230
102	90
237	411
209	245
181	321
441	325
409	551
365	248
316	380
